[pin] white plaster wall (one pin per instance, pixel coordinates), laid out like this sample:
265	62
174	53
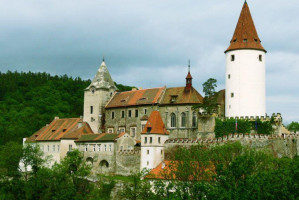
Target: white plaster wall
54	156
154	157
64	147
247	82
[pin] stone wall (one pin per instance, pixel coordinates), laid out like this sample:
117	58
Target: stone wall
128	162
285	145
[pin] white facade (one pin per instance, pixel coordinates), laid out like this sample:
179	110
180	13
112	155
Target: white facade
152	150
245	83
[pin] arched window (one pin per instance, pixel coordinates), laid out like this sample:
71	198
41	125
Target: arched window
194	119
172	120
183	120
89	161
104	164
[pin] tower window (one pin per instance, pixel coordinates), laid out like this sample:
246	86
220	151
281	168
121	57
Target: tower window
136	113
130	113
232	58
232	95
228	76
122	114
245	40
112	115
159	140
92	90
260	58
91	109
147	152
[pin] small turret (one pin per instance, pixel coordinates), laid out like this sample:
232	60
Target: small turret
188	78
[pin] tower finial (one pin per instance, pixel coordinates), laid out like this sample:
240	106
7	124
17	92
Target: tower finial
103	59
189	65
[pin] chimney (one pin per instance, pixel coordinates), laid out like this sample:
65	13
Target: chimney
134	89
56	118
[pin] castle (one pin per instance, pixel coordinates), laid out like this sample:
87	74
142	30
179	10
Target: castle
124	132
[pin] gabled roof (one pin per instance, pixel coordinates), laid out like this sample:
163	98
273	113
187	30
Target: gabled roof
182	96
137	97
60	128
155	125
102	137
245	36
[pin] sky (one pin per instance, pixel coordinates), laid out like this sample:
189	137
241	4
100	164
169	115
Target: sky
148	43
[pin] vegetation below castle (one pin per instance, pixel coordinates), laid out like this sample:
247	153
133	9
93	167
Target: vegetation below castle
29	101
227	171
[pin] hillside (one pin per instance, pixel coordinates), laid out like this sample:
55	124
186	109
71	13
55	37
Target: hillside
28	101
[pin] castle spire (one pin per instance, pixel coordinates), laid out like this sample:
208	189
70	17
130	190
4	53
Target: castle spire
188	78
245	36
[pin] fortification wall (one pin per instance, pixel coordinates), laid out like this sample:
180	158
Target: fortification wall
128	162
284	145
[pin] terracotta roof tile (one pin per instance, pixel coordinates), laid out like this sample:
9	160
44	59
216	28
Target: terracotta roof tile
182	96
155	125
138	97
245	36
75	134
60	128
102	137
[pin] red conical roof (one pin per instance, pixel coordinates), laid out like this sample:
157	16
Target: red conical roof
245	36
155	124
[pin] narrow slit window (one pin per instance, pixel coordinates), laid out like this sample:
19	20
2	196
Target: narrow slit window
232	58
91	109
112	115
260	58
232	95
228	76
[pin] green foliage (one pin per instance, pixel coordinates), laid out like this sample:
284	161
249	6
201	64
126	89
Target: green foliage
29	101
121	87
209	104
294	127
228	126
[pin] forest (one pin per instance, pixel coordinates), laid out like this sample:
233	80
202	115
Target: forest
29	101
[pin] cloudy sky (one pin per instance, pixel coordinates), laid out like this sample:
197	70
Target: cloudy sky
148	43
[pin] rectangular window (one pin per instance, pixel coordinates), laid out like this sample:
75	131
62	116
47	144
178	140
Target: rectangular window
147	152
260	58
136	113
232	95
86	148
133	131
70	147
110	147
58	148
48	148
112	115
232	58
122	114
122	130
53	148
130	113
99	147
105	147
147	163
94	147
145	140
145	111
229	76
151	140
149	129
161	152
159	140
121	148
110	130
91	109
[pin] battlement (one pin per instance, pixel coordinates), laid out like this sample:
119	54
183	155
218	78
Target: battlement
230	137
129	152
277	117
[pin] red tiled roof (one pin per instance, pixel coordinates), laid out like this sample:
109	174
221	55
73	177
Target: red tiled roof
183	96
245	36
75	134
100	137
137	97
168	171
59	128
155	123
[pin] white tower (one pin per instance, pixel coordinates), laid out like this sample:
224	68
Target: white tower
96	95
153	138
245	70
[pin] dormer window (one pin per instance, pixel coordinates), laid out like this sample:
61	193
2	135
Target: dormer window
255	40
173	98
123	100
149	129
63	130
143	98
53	131
245	40
235	40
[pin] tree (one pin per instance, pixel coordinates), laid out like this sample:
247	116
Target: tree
294	127
209	104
